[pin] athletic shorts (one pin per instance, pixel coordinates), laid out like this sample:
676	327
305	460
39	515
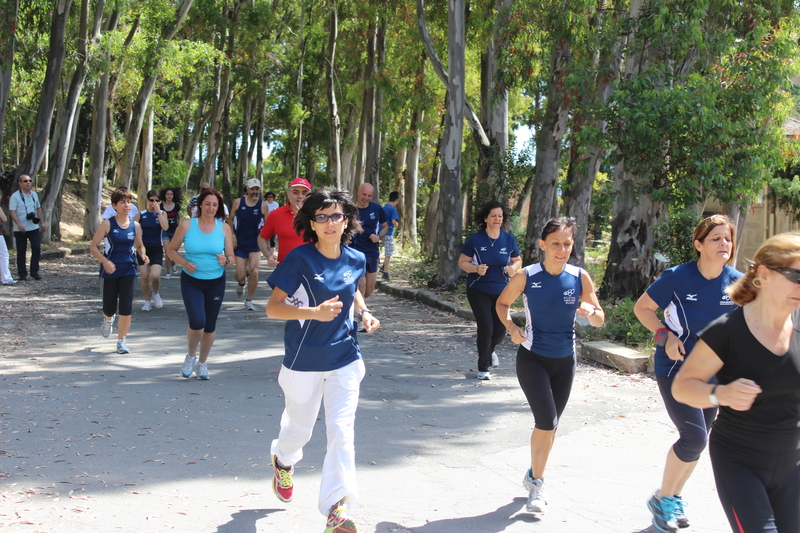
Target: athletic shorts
388	245
372	263
154	253
167	235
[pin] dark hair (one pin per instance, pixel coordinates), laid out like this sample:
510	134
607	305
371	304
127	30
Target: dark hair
120	195
394	195
322	199
176	194
556	224
705	226
220	208
152	192
269	193
480	216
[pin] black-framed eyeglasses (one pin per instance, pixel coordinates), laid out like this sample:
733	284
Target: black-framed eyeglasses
25	181
792	274
152	199
322	218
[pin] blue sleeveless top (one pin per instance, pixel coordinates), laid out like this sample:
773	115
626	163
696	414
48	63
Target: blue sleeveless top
151	228
550	305
248	221
120	250
202	249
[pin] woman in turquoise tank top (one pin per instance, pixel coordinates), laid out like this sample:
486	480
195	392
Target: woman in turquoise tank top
208	248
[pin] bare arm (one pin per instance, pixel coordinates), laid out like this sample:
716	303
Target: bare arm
227	257
590	305
504	302
465	264
163	221
645	311
691	384
97	240
324	312
513	267
175	244
139	245
370	322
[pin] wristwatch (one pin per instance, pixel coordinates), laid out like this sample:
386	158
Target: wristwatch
662	335
362	312
713	396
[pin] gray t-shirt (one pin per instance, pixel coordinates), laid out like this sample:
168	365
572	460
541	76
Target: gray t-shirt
23	204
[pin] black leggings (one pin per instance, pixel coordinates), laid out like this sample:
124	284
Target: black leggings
693	424
118	289
203	301
759	490
491	329
547	383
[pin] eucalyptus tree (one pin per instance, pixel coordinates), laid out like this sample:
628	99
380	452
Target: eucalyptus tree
8	36
698	112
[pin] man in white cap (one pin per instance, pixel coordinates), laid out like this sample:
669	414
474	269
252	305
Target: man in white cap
280	222
246	220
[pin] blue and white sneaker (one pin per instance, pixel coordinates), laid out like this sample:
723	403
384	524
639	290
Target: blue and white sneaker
536	502
122	346
107	327
680	512
664	513
201	370
188	366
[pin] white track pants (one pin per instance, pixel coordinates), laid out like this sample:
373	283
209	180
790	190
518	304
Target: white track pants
303	392
5	273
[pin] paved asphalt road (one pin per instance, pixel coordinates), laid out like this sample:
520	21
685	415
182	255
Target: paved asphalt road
92	441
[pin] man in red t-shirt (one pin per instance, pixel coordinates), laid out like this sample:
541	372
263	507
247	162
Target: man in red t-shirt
280	222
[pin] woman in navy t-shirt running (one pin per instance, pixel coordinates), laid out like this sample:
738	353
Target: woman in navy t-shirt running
691	295
554	292
490	258
315	290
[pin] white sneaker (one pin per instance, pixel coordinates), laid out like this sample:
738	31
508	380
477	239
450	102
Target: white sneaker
201	370
239	290
248	304
157	301
146	306
495	360
174	269
484	376
188	366
535	487
168	276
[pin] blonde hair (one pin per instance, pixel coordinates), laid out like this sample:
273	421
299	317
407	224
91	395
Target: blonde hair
705	226
779	251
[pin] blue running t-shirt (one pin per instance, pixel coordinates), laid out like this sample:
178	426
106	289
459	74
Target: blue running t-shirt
496	253
690	302
309	278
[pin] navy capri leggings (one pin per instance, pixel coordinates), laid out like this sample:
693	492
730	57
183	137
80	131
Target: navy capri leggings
693	424
203	300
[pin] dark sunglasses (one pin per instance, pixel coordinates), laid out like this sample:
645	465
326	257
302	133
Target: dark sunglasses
792	274
152	199
25	181
322	218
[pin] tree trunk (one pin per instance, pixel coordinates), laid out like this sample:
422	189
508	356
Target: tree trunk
367	133
449	231
134	128
222	75
494	116
334	155
193	141
146	161
409	221
244	149
374	151
299	88
97	163
8	38
37	146
260	125
349	149
548	151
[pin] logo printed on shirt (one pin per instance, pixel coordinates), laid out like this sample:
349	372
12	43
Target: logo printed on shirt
319	277
372	216
691	297
294	301
503	251
216	298
726	300
536	285
131	235
348	277
483	248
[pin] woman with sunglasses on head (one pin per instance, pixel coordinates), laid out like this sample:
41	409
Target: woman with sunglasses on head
118	265
315	290
152	221
171	205
754	352
208	247
691	296
490	258
554	292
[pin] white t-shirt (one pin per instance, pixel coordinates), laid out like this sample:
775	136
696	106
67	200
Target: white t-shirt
272	205
111	212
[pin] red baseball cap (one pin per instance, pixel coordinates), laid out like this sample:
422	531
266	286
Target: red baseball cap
300	182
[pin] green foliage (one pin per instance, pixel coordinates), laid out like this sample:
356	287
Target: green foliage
170	172
599	223
673	236
621	326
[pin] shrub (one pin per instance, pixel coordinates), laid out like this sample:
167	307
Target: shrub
621	326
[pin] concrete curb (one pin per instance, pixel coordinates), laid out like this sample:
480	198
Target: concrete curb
59	253
606	353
